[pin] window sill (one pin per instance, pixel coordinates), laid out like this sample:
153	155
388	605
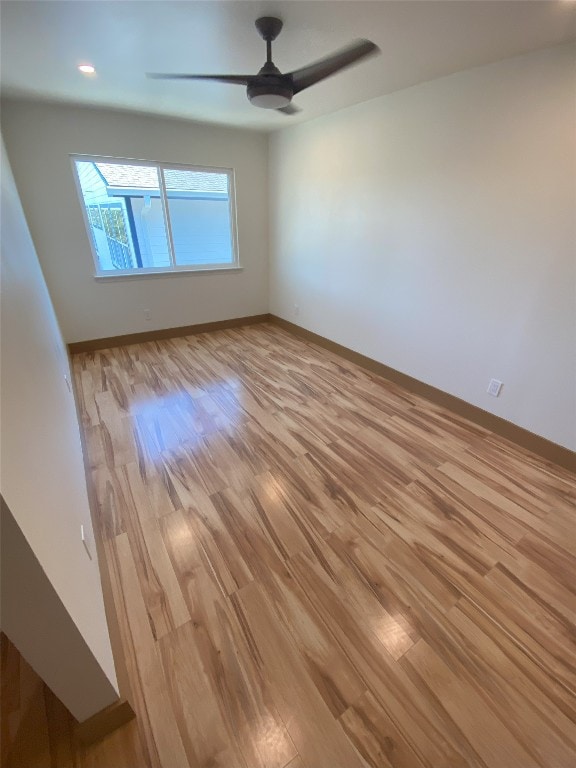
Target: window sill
168	273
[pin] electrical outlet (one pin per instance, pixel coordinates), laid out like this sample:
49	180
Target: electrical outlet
85	541
494	387
147	314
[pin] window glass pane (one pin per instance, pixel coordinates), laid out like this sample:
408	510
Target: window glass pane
199	207
125	215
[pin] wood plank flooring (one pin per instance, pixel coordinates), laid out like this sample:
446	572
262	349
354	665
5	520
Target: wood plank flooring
37	731
314	568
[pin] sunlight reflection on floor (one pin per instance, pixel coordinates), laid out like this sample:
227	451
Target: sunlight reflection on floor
165	423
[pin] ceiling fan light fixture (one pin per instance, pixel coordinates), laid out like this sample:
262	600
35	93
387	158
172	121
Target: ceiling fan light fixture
269	100
269	95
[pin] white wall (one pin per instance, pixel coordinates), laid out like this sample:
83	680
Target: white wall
434	231
43	484
40	137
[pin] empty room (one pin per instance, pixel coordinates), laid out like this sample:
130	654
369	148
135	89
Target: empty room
288	384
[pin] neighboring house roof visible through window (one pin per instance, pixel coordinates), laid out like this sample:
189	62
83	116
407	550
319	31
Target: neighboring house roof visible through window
146	177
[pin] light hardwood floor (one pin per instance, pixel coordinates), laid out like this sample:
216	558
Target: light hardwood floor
314	568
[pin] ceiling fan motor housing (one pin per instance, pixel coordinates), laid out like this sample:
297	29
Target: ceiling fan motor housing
270	89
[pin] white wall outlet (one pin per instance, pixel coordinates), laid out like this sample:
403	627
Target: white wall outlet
296	309
147	314
68	384
87	545
494	387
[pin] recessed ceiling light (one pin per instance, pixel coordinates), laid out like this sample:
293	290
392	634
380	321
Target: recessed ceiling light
87	69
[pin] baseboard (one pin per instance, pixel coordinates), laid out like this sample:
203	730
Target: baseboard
90	345
548	450
104	722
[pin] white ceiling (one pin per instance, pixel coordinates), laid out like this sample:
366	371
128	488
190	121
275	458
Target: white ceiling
43	42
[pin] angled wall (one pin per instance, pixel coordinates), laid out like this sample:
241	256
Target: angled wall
52	606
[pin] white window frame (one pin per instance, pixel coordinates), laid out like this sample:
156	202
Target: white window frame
174	268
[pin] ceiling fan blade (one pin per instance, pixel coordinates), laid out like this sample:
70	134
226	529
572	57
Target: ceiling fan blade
289	109
320	70
234	79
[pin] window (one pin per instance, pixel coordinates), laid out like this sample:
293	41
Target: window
145	217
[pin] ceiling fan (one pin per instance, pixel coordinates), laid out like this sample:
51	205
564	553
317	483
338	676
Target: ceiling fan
270	88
